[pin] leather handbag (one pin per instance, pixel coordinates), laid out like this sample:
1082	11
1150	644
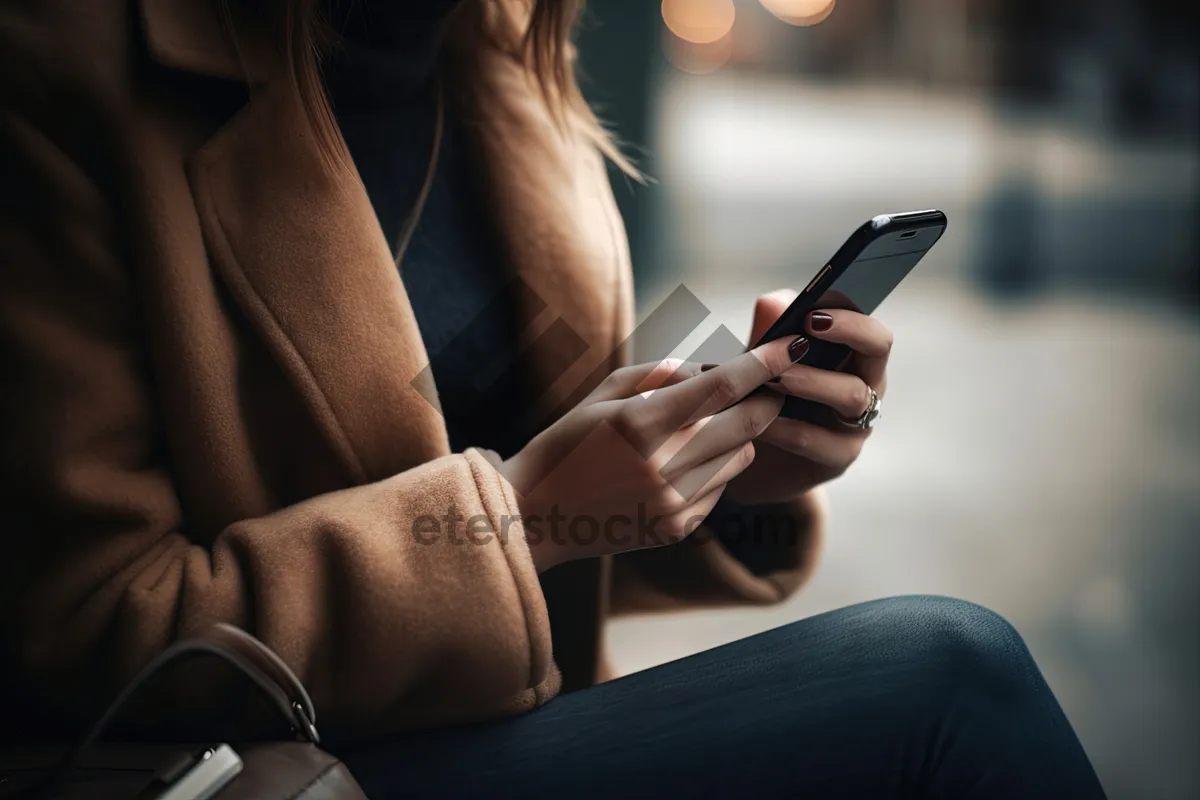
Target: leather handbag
291	770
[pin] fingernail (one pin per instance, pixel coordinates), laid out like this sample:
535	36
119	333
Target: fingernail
820	322
798	349
776	379
707	367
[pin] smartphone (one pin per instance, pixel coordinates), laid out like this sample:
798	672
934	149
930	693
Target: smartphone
860	275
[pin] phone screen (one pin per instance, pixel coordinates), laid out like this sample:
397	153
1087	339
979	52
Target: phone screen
865	270
878	270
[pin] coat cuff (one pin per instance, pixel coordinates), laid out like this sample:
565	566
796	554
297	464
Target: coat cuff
500	502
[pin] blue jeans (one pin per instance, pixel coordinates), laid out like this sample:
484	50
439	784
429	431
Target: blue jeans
906	697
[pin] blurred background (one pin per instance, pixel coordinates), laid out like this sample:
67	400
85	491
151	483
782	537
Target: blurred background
1040	447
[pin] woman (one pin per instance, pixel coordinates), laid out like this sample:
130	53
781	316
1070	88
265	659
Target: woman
219	406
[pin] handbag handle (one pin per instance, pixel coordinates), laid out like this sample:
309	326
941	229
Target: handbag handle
247	654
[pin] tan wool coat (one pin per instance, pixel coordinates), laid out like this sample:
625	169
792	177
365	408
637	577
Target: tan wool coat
210	396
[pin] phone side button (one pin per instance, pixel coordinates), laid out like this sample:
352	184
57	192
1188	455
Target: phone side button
817	279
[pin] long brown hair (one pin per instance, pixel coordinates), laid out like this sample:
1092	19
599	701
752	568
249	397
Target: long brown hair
545	47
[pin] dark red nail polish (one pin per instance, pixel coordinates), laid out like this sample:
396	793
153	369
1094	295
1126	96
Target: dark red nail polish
776	379
820	322
707	367
798	349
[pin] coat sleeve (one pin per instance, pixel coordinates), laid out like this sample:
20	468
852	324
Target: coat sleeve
388	626
740	556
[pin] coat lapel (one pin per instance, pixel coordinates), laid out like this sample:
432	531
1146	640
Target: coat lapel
303	255
304	258
300	250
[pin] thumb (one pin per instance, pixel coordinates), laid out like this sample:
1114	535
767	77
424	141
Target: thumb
768	308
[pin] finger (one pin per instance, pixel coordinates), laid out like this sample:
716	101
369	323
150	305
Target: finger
863	334
724	432
767	309
670	408
869	338
714	473
848	395
836	450
686	521
641	378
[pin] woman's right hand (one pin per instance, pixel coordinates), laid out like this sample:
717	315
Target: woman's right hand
642	460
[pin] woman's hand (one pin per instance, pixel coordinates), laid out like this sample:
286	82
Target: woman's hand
795	456
644	458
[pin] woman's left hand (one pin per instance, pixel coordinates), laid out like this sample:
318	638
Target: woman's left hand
791	456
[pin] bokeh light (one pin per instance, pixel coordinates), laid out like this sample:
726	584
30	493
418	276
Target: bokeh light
800	12
698	59
699	22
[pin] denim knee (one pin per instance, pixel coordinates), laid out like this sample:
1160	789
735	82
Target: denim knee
960	641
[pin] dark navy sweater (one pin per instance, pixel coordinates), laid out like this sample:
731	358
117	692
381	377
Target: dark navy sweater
381	82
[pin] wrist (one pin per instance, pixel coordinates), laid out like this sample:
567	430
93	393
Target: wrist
542	550
543	553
